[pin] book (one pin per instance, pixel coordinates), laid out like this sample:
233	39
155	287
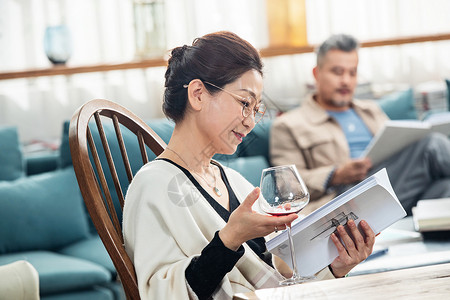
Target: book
372	200
432	215
393	236
398	134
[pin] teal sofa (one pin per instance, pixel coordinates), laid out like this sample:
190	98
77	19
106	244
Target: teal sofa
44	221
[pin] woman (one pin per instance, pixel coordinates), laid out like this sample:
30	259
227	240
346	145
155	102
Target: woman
188	221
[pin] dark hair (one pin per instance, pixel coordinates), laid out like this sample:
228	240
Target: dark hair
219	58
343	42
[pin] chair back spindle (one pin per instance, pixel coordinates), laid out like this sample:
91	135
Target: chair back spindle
96	169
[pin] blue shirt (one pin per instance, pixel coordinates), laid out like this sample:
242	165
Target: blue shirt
355	130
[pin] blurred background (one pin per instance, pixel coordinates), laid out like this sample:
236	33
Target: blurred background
57	54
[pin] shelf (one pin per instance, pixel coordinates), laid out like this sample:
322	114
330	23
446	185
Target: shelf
67	70
276	51
160	62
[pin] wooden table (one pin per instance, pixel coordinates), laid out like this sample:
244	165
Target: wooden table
430	282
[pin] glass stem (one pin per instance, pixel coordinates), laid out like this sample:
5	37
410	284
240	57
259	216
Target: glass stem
294	260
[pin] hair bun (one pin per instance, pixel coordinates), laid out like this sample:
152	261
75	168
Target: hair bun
178	52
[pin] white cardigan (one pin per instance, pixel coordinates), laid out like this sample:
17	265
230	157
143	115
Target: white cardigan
167	222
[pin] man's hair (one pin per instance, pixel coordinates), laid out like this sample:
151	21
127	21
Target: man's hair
342	42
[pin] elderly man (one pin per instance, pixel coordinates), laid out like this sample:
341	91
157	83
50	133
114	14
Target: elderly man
327	134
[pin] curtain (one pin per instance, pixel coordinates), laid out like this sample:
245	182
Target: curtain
102	31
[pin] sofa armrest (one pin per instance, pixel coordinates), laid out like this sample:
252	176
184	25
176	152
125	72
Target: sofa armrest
41	162
19	280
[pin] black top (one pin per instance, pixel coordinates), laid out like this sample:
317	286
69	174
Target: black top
205	271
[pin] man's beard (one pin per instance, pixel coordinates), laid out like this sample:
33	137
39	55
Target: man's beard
338	103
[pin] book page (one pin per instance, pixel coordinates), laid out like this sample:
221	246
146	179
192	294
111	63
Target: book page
440	122
372	200
432	215
395	136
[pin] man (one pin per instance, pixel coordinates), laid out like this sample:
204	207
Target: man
325	137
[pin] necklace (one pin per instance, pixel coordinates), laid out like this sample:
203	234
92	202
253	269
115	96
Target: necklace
214	187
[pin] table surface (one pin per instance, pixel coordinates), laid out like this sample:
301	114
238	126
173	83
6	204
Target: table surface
405	260
429	282
404	248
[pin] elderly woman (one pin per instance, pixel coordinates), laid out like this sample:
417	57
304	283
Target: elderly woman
189	223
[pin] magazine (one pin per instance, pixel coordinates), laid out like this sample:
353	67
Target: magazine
396	135
372	200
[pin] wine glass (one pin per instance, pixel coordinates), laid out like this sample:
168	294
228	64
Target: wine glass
284	192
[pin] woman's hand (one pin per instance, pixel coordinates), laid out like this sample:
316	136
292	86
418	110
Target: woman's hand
245	224
356	249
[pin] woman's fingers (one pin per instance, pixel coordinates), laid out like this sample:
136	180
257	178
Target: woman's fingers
275	223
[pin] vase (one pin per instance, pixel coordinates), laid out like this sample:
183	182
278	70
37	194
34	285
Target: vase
57	44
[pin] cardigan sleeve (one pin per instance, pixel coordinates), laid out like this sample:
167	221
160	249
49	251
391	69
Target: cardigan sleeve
205	272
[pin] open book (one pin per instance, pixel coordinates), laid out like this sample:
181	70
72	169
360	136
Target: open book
432	215
399	134
372	200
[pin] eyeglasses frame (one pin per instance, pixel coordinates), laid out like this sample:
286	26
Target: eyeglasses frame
240	99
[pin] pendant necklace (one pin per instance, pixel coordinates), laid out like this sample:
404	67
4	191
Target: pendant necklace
214	187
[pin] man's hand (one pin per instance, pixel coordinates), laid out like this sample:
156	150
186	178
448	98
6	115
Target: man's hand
351	172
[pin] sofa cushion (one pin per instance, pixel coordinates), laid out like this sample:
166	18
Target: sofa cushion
11	160
249	167
257	141
60	273
41	212
163	127
91	249
399	105
95	293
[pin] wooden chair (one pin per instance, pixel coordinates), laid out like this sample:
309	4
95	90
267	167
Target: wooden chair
91	177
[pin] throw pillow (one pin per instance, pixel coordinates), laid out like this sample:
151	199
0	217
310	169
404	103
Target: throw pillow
41	212
399	105
11	160
65	158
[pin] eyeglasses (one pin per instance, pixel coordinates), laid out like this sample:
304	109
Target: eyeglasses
258	110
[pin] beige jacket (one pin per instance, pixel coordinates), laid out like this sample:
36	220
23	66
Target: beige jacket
309	138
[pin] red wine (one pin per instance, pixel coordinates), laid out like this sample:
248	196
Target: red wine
280	214
287	208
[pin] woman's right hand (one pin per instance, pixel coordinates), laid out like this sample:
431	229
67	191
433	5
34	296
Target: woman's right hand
245	224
